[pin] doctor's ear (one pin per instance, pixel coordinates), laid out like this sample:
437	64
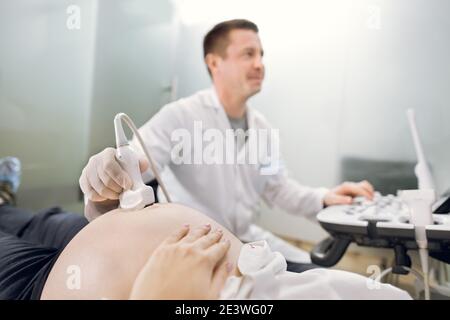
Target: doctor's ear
211	61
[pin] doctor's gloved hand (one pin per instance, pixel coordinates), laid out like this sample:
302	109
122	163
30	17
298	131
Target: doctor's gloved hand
103	178
345	192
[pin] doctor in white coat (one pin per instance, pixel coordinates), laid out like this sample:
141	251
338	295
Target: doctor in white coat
229	192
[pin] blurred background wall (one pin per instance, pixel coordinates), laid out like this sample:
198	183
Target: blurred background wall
340	75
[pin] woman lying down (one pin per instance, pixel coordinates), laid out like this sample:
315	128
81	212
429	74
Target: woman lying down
165	251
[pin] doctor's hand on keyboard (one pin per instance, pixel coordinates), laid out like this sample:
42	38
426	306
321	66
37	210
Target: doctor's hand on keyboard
346	192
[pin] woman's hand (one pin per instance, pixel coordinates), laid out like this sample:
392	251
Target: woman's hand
185	266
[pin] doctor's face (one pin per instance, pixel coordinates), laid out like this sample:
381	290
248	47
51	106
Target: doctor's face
242	69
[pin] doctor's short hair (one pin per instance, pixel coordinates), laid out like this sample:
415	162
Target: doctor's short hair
216	40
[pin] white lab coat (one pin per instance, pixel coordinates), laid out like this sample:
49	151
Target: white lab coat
231	194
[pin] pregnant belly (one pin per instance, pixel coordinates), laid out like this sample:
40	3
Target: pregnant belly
103	260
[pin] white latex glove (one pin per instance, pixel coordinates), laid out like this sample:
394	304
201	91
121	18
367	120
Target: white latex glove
103	179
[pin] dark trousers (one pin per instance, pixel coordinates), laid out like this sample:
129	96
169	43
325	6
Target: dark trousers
29	245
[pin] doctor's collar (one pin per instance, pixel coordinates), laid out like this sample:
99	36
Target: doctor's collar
215	99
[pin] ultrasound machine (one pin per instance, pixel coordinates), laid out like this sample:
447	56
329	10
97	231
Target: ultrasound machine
386	222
